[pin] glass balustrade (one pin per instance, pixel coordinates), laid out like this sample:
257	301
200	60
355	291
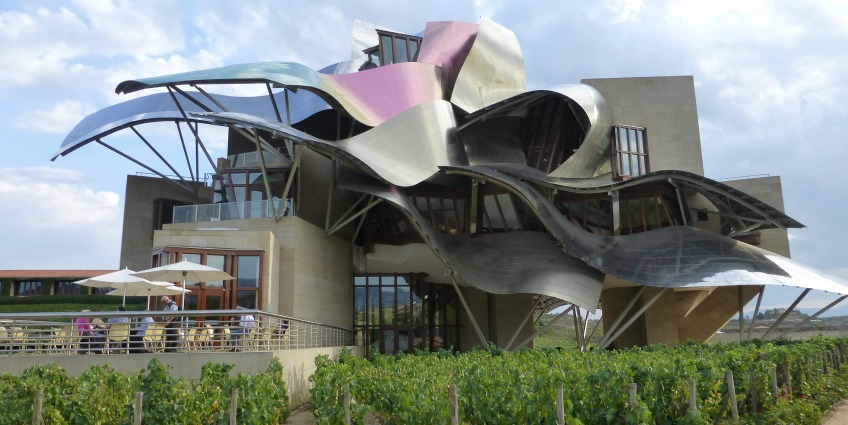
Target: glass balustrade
231	211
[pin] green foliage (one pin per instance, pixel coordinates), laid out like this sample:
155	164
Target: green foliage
520	387
102	396
65	303
263	398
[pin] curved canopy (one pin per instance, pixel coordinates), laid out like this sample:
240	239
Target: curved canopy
164	107
371	97
740	203
677	256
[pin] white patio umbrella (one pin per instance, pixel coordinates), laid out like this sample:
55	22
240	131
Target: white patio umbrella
122	280
184	271
155	289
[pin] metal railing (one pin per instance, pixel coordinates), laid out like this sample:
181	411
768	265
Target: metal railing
231	211
189	331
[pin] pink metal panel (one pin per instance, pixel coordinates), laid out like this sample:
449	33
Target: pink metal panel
381	93
446	44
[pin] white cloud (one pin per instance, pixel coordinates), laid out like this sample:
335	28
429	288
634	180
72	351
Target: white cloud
60	119
53	221
625	10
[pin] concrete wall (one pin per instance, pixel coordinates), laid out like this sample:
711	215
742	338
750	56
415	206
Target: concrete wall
306	274
770	191
666	107
140	196
499	317
298	365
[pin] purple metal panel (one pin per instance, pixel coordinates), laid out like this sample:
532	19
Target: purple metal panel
384	92
446	44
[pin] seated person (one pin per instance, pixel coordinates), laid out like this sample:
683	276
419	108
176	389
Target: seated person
137	334
85	331
246	323
113	320
98	335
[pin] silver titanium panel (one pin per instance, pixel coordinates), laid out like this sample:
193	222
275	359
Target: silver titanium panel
161	107
507	263
594	149
404	151
678	256
492	71
369	96
743	205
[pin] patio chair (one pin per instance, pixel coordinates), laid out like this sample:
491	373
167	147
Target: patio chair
72	338
224	339
154	337
17	338
117	339
4	339
204	336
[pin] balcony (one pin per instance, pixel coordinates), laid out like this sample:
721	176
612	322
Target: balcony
231	211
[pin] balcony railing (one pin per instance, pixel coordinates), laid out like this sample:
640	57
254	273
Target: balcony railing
192	331
231	211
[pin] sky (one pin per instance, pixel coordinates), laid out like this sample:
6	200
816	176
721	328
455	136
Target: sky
769	78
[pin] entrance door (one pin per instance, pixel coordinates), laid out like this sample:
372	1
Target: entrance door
208	299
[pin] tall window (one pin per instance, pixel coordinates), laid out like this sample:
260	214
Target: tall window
643	213
393	48
66	287
446	215
401	312
593	215
629	151
247	294
28	288
243	193
244	291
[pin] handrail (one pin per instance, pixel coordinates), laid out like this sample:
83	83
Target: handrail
195	330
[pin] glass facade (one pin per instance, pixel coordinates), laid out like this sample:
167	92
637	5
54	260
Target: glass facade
245	291
403	313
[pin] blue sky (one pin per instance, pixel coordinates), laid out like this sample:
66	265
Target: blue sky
770	84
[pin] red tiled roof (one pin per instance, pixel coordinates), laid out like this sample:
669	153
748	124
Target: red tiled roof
51	274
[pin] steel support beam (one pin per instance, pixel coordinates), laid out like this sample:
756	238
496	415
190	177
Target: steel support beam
818	313
788	310
523	322
193	130
168	164
145	166
634	317
471	317
544	328
364	210
265	175
294	170
622	315
756	310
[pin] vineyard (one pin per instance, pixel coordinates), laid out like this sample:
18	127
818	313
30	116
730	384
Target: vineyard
755	382
46	395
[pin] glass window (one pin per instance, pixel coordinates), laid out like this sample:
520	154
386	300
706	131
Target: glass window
246	299
248	271
194	258
396	312
630	152
388	55
400	50
66	288
413	50
28	288
219	262
238	178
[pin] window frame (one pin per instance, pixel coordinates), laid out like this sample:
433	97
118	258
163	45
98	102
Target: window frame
622	158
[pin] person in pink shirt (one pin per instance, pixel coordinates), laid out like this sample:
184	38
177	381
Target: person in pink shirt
85	331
